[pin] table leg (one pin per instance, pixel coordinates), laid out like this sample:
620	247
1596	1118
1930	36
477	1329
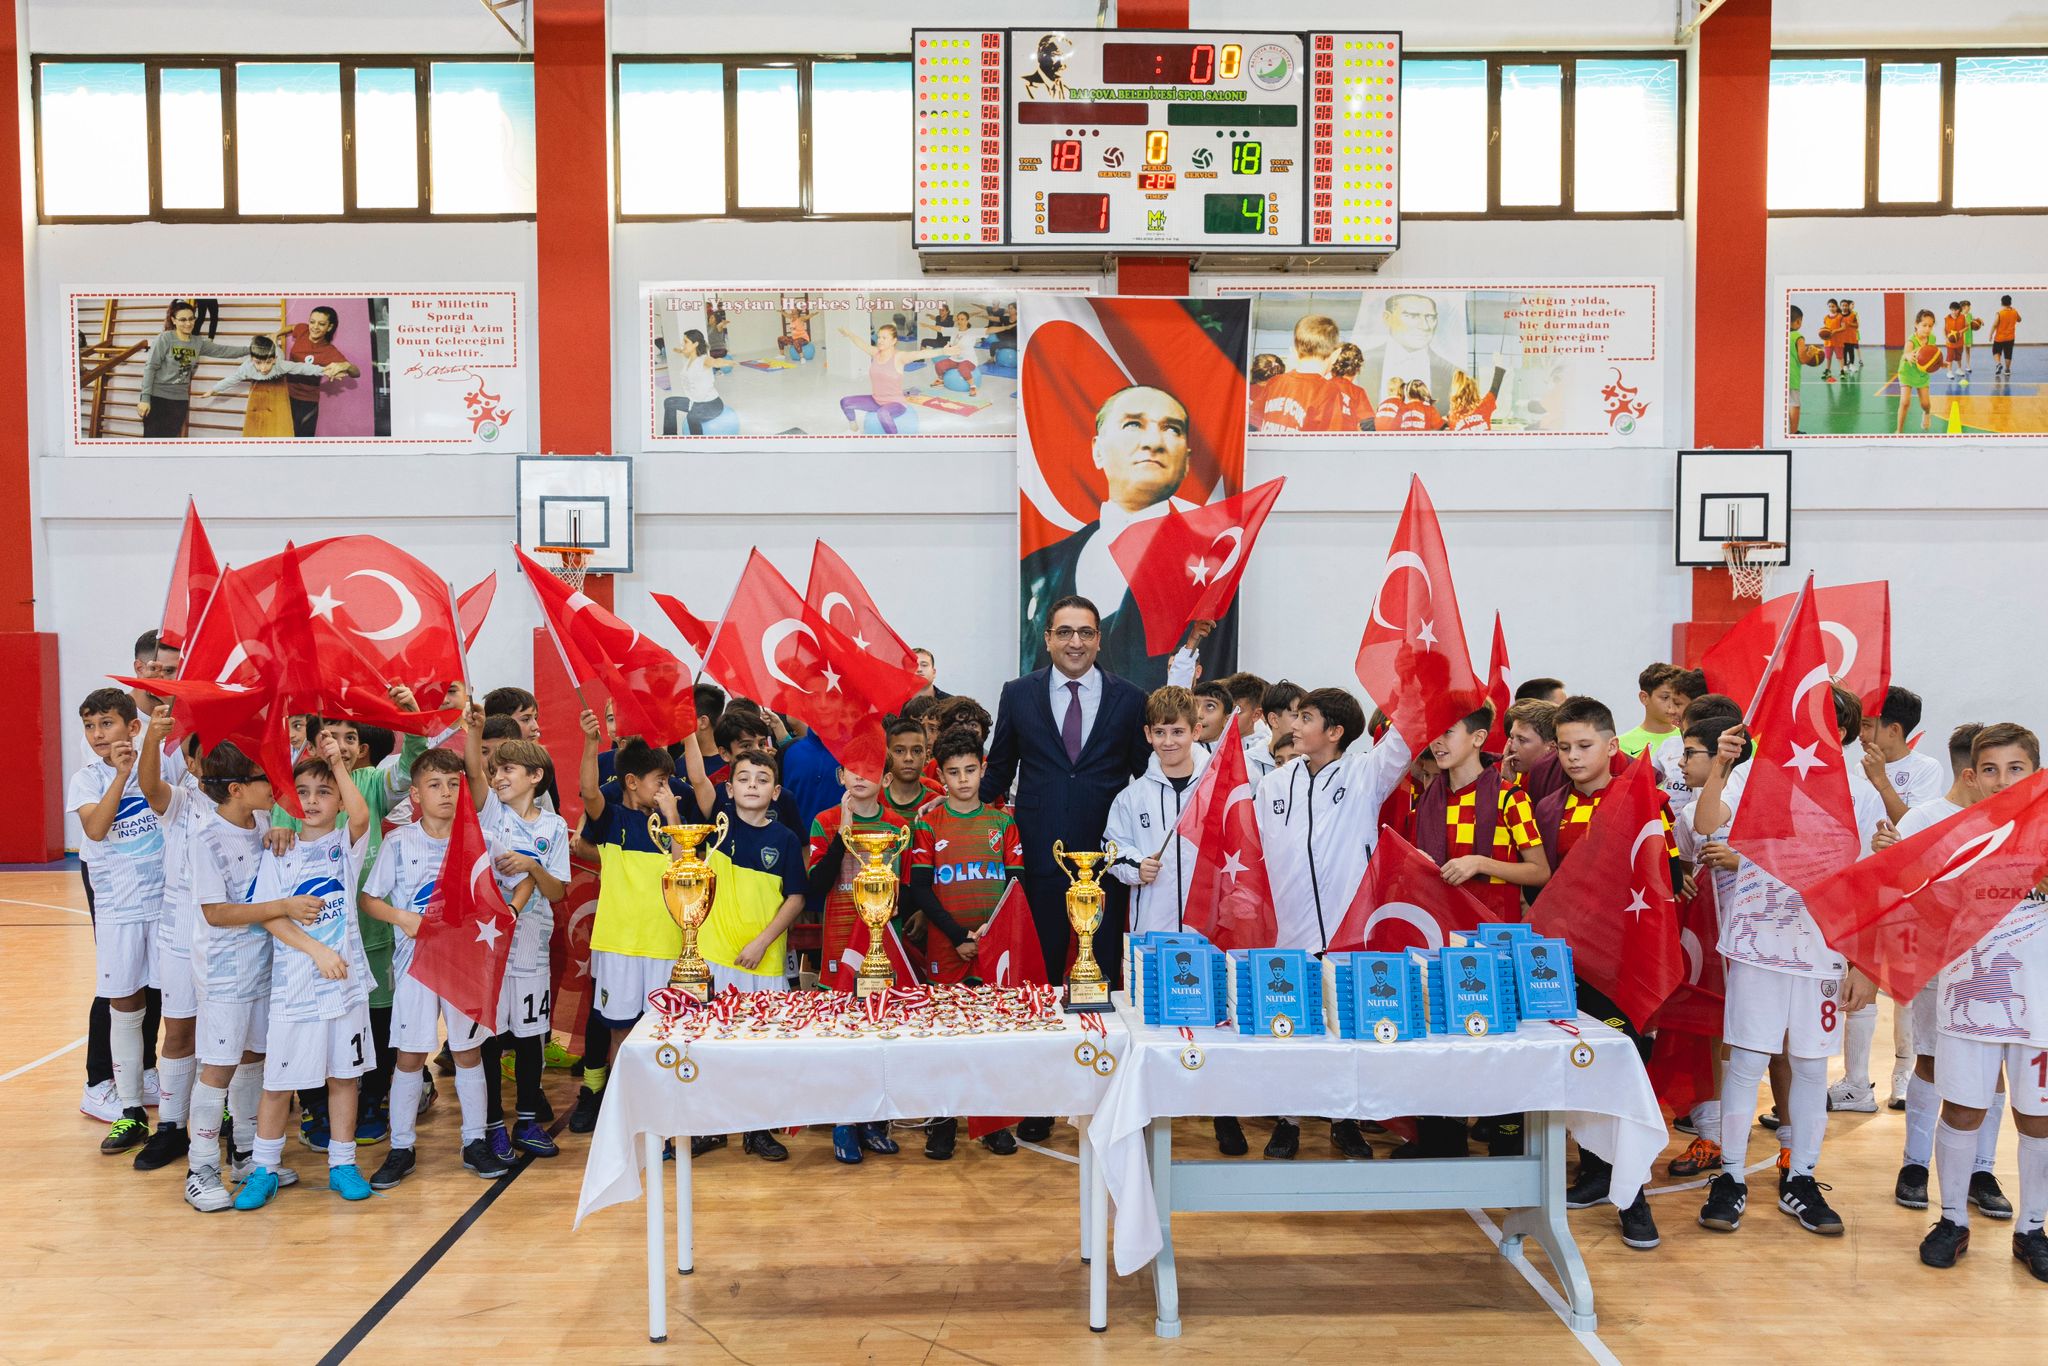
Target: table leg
1087	1180
1165	1283
686	1215
1098	1242
1546	1221
657	1274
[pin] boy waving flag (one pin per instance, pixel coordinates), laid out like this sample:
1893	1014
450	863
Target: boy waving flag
466	932
1229	899
1413	658
1185	567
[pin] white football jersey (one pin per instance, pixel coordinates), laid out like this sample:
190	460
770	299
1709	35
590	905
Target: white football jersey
1998	991
1918	778
407	869
328	867
232	962
127	867
545	839
1764	922
188	805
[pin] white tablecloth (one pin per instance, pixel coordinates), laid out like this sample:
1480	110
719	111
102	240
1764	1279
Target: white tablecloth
1608	1106
771	1083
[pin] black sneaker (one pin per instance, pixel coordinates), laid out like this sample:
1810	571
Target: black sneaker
171	1142
765	1146
1911	1191
131	1129
1945	1242
1595	1178
938	1139
397	1165
1034	1130
1769	1119
1638	1225
544	1112
1802	1199
1506	1138
1230	1140
1347	1140
1984	1194
2032	1248
444	1061
1002	1143
1726	1199
584	1117
701	1144
1684	1125
478	1157
1285	1142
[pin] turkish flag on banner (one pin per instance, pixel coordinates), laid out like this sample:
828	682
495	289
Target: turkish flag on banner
1009	955
840	976
194	573
1796	820
1856	626
650	690
1229	898
1498	691
1403	902
1612	900
1413	659
834	587
696	631
388	606
466	930
1185	566
473	606
1904	913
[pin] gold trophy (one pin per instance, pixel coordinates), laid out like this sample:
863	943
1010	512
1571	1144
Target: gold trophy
686	886
1087	988
874	900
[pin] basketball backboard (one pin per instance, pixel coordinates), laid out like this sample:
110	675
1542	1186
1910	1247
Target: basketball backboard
1727	496
578	500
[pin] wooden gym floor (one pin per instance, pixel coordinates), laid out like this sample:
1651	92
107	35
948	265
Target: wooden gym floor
899	1260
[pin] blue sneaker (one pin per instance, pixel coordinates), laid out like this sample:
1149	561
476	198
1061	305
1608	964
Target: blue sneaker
372	1128
258	1190
348	1182
846	1143
529	1137
501	1143
875	1137
313	1131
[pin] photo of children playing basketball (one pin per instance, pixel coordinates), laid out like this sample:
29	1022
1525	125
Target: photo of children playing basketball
1882	360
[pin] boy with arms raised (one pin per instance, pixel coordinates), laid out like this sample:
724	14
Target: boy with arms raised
319	1029
1151	858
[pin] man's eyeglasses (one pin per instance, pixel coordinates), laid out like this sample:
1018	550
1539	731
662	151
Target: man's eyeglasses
1063	634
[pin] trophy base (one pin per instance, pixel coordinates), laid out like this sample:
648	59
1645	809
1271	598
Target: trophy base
697	990
1088	998
864	987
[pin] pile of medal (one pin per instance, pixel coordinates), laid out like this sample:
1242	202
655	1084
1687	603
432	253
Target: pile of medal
919	1012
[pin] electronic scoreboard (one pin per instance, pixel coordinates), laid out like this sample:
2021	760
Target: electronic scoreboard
1098	140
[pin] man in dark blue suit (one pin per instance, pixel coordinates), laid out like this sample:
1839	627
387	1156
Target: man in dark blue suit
1072	737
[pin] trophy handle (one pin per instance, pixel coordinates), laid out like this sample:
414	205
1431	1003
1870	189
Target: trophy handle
1108	853
723	827
902	841
654	834
1059	857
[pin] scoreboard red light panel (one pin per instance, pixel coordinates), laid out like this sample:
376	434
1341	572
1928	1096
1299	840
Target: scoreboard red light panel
1100	139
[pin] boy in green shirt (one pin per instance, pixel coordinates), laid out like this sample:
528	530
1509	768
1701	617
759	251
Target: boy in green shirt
1663	704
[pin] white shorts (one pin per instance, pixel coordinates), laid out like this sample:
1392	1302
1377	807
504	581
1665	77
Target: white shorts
526	1004
1966	1073
305	1054
622	982
172	975
121	958
228	1029
416	1018
724	978
1922	1014
1781	1012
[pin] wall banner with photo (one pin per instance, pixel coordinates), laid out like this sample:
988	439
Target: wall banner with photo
933	358
1131	406
296	367
1572	362
1891	357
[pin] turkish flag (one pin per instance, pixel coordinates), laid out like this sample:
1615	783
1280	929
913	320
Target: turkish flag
194	573
1498	693
1414	662
840	976
1229	898
473	606
466	930
1681	1065
389	607
834	587
1856	626
1904	913
321	670
1403	902
1009	955
1612	901
569	955
1796	820
650	689
696	631
771	646
1185	566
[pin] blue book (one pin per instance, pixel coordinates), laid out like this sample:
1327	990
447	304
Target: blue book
1544	986
1137	948
1189	985
1503	936
1376	996
1279	992
1471	992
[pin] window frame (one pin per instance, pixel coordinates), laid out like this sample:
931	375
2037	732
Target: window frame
1872	59
153	64
1567	61
730	65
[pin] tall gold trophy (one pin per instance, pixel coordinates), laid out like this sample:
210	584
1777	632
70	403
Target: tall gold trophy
874	900
1087	988
686	887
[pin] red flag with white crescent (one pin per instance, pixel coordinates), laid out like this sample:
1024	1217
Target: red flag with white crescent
840	976
650	689
1229	897
1185	567
384	604
1403	902
1010	955
569	955
1499	692
1856	630
1413	659
466	930
842	602
473	606
194	573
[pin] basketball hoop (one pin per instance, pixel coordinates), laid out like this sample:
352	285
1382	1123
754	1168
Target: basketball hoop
572	559
1750	565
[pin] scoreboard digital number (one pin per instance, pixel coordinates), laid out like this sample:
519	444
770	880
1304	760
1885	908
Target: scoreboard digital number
1095	139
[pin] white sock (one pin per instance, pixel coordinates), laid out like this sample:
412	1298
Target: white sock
469	1090
270	1152
1902	1034
174	1088
1923	1108
1740	1077
341	1152
1706	1118
2033	1182
207	1102
1987	1132
1954	1152
244	1092
1860	1035
1809	1104
127	1047
405	1106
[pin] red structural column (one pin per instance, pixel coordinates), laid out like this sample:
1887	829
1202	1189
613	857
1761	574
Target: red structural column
32	722
572	249
1163	275
1731	328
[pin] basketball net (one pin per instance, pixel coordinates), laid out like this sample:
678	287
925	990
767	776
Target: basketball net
571	561
1750	565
